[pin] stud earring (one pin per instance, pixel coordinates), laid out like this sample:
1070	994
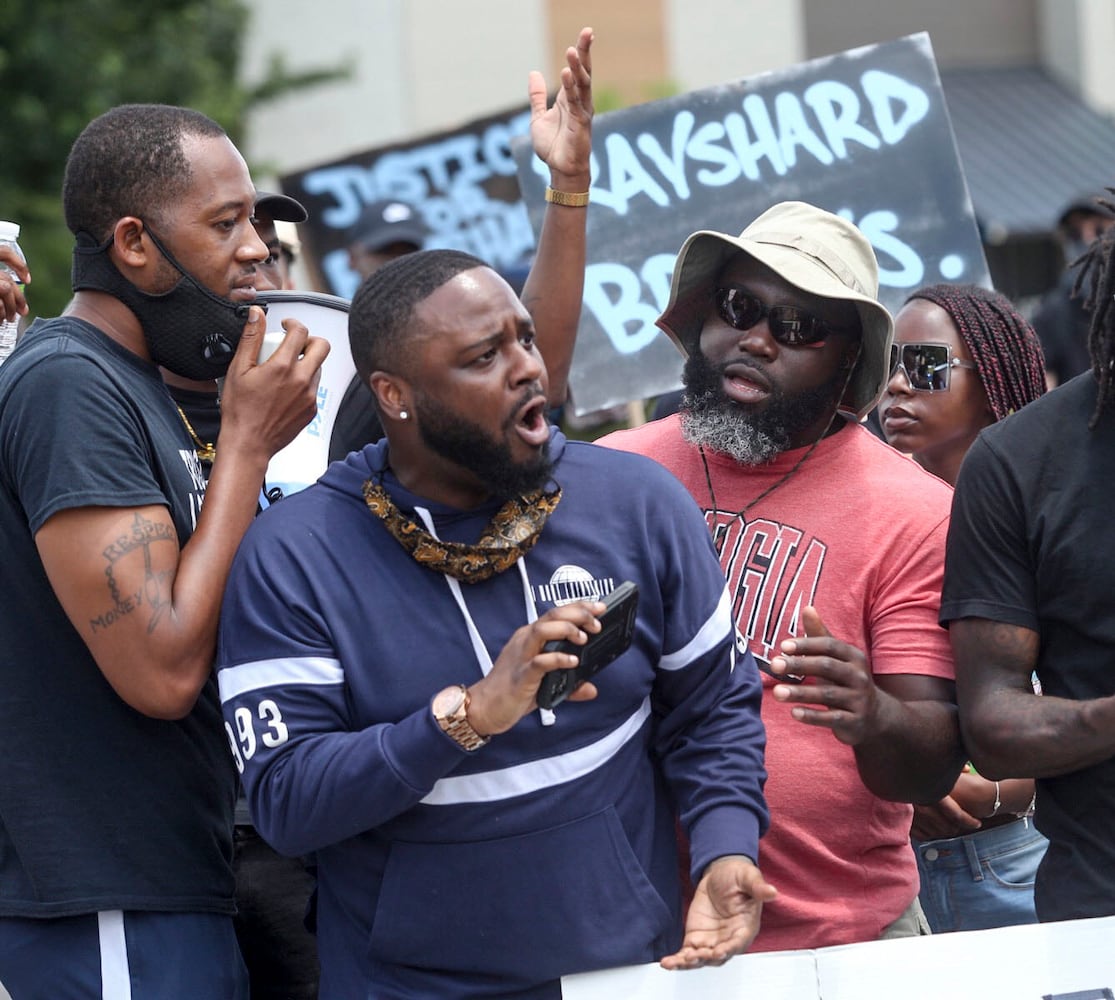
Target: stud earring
403	414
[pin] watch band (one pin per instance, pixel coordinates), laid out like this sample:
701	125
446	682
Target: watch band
572	199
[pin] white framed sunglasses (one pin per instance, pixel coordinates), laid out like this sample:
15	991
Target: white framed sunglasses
927	367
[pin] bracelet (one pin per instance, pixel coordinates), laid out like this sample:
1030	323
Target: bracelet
577	200
998	803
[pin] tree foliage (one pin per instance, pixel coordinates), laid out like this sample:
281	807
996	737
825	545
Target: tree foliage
63	63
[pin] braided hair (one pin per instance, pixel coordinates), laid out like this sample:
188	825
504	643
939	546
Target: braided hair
1004	347
1097	274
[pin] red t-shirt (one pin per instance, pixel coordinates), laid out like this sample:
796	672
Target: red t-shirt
858	532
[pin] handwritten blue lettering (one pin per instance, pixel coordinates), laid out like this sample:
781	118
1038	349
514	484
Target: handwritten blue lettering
879	228
885	91
837	108
820	123
614	294
445	180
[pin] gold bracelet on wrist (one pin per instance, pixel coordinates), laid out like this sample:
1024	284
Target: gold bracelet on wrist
574	200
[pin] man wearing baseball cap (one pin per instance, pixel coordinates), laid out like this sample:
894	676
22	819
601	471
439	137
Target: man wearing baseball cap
385	230
833	547
1061	319
273	211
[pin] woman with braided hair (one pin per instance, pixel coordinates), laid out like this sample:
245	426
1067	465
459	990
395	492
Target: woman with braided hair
964	358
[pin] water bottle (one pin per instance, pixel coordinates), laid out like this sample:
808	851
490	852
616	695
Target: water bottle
9	234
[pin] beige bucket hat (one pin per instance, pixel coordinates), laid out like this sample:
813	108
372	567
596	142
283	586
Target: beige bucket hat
813	250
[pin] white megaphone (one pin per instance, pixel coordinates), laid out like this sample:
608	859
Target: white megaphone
303	460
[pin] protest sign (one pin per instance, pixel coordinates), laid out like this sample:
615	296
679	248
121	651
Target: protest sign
1067	960
463	181
864	133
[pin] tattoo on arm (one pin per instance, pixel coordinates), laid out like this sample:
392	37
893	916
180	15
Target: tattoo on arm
144	534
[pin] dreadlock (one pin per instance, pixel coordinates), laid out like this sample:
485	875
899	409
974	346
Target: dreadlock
1097	272
1004	347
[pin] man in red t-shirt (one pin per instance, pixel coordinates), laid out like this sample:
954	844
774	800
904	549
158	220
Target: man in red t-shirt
833	547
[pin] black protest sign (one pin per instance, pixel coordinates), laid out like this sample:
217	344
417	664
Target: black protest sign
462	181
864	134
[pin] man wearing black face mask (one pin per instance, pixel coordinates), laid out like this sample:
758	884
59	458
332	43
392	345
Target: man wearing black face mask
116	786
198	400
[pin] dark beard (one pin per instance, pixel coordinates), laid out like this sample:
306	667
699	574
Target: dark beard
710	419
467	445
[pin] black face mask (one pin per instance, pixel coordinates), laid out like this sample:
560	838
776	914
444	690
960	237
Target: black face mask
189	330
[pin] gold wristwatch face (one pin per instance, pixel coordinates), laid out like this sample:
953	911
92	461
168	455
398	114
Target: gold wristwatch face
448	703
450	708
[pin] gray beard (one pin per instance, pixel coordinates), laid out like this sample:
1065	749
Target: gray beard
711	420
729	432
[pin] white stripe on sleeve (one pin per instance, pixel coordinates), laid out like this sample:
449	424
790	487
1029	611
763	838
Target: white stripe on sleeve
712	632
234	681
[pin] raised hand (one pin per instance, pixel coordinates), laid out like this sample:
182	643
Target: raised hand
562	134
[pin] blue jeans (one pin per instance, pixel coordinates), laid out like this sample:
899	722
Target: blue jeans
982	879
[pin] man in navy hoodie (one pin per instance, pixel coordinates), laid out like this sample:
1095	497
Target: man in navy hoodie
381	654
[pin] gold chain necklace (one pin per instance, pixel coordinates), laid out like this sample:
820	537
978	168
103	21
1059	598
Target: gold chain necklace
507	538
205	452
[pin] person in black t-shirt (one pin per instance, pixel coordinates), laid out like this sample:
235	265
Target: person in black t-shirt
1029	575
116	781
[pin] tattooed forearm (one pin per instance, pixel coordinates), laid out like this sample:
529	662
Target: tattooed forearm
143	535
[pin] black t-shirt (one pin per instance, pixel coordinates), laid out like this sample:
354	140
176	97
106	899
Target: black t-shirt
1031	544
203	410
101	807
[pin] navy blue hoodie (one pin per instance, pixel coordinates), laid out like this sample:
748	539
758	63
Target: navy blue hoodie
552	849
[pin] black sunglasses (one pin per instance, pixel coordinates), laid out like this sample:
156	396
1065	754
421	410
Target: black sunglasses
926	366
788	325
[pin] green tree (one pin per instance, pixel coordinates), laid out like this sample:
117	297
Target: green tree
63	63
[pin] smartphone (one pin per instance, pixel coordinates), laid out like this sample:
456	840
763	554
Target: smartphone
617	628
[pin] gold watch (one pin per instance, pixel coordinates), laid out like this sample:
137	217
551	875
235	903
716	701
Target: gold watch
450	708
